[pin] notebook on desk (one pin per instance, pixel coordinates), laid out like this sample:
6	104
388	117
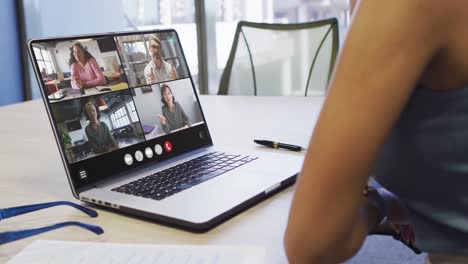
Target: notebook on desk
58	252
174	174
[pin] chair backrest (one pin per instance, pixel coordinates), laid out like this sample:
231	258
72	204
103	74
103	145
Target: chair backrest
281	59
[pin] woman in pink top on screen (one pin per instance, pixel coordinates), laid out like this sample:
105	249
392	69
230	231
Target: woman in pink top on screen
85	71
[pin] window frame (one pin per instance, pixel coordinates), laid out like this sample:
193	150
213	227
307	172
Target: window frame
45	62
119	120
131	109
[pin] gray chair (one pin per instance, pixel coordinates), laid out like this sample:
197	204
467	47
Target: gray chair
281	59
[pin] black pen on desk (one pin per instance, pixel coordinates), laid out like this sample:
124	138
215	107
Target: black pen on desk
277	145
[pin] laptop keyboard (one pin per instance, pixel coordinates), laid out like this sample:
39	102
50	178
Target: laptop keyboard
165	183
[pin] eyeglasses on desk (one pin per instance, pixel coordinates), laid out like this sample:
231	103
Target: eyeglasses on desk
11	236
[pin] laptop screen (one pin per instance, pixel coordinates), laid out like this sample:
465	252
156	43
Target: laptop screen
118	101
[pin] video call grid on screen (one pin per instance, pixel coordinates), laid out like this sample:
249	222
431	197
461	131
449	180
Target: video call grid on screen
105	93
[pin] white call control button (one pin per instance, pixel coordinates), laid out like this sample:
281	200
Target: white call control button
149	153
158	149
138	156
128	159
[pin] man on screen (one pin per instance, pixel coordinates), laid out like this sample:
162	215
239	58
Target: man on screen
158	70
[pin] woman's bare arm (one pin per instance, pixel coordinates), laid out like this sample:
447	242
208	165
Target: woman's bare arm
388	47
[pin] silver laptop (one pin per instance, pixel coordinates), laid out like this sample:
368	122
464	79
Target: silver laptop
133	137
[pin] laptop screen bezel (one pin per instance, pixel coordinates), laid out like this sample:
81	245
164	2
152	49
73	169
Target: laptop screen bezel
76	190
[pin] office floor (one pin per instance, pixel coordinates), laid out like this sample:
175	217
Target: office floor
385	250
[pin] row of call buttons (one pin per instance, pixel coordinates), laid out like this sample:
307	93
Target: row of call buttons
128	158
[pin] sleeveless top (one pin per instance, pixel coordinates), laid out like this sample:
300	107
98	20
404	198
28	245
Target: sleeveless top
424	161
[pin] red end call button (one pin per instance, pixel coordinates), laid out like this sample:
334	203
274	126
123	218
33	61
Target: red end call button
168	146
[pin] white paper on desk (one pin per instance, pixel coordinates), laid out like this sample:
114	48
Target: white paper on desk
51	252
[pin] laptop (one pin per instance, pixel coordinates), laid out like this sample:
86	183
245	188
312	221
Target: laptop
143	147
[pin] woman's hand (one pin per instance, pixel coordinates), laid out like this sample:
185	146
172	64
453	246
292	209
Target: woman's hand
396	211
112	147
397	215
162	119
77	81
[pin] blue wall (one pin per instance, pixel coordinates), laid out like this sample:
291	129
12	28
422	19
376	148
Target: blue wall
11	84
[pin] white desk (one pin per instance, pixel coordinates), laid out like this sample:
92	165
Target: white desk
32	172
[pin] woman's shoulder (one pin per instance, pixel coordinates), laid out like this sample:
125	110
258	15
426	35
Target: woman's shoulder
92	61
430	25
73	66
423	13
177	104
102	124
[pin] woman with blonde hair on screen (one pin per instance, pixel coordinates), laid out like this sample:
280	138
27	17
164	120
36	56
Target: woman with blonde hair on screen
396	109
